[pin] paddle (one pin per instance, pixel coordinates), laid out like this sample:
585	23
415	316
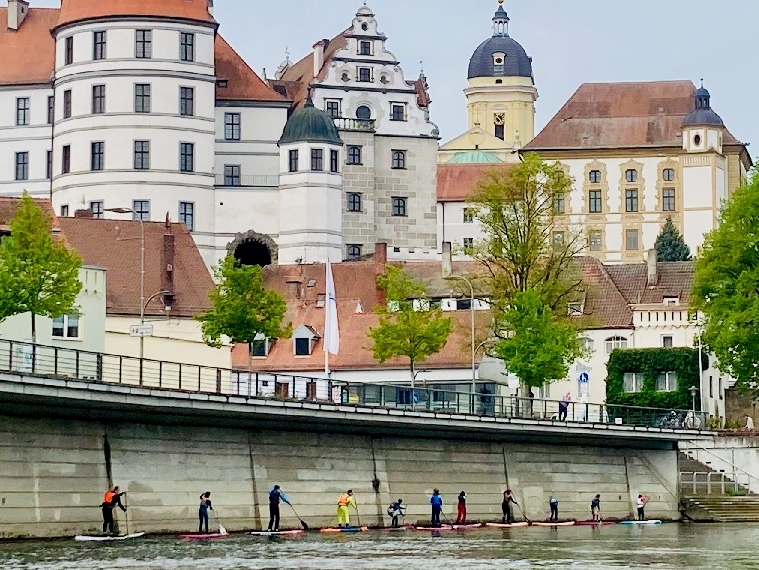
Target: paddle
302	522
358	516
222	530
524	516
126	512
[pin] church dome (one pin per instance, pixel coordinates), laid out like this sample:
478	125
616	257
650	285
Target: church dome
474	157
310	125
500	55
703	115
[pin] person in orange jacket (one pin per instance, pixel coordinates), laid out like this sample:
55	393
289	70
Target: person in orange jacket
111	500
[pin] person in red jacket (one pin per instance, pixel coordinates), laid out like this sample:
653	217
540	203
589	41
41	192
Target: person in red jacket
111	500
461	516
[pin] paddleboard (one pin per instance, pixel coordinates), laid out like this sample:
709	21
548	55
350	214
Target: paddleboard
84	538
507	525
652	521
394	529
551	524
346	529
467	526
209	536
277	532
595	523
442	527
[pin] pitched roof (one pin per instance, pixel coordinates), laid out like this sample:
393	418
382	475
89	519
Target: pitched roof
115	245
621	115
455	182
9	206
605	306
243	84
28	53
79	10
674	279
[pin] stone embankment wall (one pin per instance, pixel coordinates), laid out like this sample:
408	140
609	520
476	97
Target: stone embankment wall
53	474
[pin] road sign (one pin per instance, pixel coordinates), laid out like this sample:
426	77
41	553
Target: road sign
141	330
584	378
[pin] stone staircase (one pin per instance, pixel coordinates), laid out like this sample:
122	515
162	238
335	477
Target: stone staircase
722	508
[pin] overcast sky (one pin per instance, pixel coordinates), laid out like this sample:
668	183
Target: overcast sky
570	41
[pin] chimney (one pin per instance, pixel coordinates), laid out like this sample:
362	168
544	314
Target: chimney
210	7
84	214
380	253
447	260
319	56
17	11
167	266
653	276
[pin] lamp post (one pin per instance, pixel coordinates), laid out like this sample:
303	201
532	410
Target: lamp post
693	391
471	312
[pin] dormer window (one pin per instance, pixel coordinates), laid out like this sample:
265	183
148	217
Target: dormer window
671	301
574	309
304	340
499	60
260	346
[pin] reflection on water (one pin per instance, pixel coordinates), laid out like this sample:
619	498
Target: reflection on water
664	547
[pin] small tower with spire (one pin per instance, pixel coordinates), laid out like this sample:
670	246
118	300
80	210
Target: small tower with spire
500	21
702	128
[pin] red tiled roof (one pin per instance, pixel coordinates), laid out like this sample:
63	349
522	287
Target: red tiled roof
455	182
674	279
621	115
605	307
115	246
243	84
27	54
78	10
9	206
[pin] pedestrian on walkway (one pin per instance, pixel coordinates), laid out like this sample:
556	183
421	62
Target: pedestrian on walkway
749	423
564	407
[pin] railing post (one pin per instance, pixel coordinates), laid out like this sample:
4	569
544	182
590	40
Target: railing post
180	375
121	363
76	373
200	372
160	374
10	356
55	361
99	367
218	381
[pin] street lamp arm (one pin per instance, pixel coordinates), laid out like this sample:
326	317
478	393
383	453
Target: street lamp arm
153	296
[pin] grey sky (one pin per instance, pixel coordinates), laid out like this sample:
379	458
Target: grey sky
571	42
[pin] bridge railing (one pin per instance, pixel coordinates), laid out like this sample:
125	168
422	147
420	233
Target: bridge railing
695	483
61	363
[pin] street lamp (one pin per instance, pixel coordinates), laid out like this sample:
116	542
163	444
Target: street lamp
693	391
471	312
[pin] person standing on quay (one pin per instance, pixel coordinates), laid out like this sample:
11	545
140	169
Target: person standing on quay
642	500
275	497
111	500
564	407
595	508
508	498
436	500
461	516
343	514
205	505
553	503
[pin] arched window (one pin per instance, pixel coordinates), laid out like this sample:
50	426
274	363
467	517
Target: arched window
614	343
631	175
364	113
595	176
587	344
668	174
353	252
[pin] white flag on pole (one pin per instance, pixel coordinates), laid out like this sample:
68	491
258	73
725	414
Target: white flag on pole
331	327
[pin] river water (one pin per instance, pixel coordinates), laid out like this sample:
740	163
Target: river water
667	546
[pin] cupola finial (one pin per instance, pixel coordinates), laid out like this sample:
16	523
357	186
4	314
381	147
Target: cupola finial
500	21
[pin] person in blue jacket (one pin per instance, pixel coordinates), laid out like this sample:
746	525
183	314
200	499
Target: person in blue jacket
436	500
276	496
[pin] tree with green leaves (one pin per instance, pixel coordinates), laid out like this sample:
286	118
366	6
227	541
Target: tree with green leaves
535	344
670	245
726	289
408	325
39	275
242	306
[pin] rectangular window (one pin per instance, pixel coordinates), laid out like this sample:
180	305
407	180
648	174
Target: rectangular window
596	240
98	45
499	132
668	200
258	348
50	110
143	48
97	156
353	252
317	159
354	202
302	346
633	382
65	211
559	204
23	113
468	245
594	202
399	159
187	215
666	341
468	215
98	99
292	160
66	159
187	46
232	175
232	126
97	210
142	98
186	157
67	104
364	48
711	386
334	161
186	101
631	240
49	170
399	206
22	166
631	200
141	210
66	326
142	155
332	107
666	382
365	74
397	112
69	50
354	155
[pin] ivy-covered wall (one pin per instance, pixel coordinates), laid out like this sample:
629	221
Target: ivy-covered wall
650	362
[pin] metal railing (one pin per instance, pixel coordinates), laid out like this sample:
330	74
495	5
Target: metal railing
713	483
694	451
70	364
247	181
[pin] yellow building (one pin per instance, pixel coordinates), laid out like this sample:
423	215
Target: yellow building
500	96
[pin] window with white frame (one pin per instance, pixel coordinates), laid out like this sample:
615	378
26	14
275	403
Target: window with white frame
187	214
397	112
468	215
587	344
66	326
614	343
332	107
633	382
666	382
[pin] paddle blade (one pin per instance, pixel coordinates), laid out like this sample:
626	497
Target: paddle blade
303	524
222	530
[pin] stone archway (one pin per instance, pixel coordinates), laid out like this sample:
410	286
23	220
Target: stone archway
253	248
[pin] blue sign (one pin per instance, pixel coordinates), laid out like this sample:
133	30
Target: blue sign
584	378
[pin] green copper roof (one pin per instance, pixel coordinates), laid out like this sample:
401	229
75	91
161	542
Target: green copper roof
474	157
310	125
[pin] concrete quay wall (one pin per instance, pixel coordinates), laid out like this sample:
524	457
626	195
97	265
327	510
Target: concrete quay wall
53	473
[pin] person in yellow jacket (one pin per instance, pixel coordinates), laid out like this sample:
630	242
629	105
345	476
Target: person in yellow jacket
343	515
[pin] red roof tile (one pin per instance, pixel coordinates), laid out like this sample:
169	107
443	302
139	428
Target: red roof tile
28	53
456	182
78	10
243	84
9	206
674	279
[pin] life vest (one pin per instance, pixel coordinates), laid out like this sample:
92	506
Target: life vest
344	500
108	497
